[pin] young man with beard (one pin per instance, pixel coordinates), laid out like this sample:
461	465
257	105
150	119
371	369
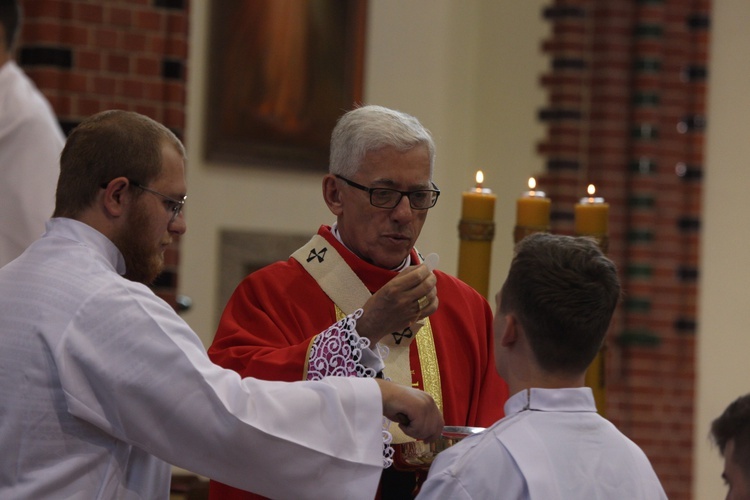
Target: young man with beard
103	385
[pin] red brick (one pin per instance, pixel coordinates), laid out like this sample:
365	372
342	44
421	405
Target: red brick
119	16
149	20
103	84
176	48
74	82
568	79
133	42
153	91
37	8
564	46
66	11
150	110
148	66
174	93
132	89
44	32
89	13
74	36
174	118
84	106
157	44
88	60
62	105
177	24
106	38
45	77
117	63
120	103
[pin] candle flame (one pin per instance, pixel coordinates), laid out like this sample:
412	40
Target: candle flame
480	177
532	183
591	190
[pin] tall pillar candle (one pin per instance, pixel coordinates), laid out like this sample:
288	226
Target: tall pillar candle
476	231
532	213
592	219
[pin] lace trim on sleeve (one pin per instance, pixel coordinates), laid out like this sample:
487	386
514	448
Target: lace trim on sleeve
387	448
337	352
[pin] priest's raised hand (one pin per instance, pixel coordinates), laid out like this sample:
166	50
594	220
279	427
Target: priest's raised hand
408	298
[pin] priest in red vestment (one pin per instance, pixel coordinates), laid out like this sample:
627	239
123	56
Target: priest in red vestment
416	325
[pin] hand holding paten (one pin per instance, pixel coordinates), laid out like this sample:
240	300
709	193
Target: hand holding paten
416	411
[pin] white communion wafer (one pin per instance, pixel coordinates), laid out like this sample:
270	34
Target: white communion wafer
432	261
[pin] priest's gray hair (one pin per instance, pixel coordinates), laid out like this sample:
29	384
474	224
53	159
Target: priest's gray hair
370	128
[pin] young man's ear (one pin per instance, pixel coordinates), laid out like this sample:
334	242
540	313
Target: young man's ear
116	196
509	335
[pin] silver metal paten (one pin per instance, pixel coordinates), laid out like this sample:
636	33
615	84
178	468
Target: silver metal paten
418	455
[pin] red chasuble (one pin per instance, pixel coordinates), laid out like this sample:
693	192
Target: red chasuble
268	325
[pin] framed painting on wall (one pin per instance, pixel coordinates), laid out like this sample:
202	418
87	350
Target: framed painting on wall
281	72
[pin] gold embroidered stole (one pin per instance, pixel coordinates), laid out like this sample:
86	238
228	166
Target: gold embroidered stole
334	276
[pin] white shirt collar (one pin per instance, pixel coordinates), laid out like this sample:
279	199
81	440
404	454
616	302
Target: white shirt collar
79	231
566	400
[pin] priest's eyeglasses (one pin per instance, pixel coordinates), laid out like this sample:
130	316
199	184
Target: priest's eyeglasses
421	199
174	206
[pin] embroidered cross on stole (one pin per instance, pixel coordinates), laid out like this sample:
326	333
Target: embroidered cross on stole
321	260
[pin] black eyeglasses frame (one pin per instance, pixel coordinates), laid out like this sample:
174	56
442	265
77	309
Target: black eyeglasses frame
435	192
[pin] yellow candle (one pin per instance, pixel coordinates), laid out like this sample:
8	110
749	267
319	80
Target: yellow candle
532	209
478	203
477	230
591	215
592	219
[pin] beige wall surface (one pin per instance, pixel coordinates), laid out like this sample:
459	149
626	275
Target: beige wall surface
469	70
724	316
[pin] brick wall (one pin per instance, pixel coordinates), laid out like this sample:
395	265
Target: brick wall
626	101
90	56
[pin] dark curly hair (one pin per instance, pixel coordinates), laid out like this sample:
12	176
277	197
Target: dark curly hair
734	425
